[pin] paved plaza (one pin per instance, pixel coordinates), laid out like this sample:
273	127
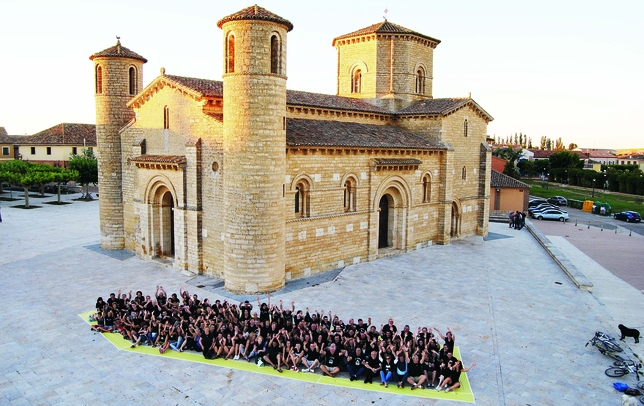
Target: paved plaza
512	309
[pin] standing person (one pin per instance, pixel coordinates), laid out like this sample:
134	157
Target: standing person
511	218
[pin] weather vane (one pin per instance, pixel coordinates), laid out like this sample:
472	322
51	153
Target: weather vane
386	11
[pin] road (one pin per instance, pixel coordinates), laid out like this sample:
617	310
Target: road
615	245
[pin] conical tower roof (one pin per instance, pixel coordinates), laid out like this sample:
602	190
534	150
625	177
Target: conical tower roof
385	27
255	13
118	51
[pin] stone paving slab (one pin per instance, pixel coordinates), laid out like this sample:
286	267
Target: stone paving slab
512	309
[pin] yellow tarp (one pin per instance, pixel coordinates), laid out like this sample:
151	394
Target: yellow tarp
462	394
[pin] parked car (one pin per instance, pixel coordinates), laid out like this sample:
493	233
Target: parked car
558	200
628	216
551	214
542	207
536	202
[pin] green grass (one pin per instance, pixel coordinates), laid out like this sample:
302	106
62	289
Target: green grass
617	202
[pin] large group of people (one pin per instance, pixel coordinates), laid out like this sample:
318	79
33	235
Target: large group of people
283	337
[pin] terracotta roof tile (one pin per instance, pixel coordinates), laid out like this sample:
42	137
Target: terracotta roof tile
215	88
499	179
255	13
385	27
119	51
165	159
397	161
542	153
317	133
206	87
442	107
64	134
299	98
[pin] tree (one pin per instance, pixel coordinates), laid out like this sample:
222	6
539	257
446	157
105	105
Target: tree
62	175
548	144
530	143
26	174
527	168
86	166
565	159
543	142
559	145
572	146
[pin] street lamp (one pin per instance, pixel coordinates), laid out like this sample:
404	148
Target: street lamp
566	176
593	188
547	176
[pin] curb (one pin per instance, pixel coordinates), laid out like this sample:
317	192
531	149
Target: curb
576	276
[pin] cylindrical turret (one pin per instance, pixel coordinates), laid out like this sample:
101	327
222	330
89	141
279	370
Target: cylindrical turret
118	76
254	149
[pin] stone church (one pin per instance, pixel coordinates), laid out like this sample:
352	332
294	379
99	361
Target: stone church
244	180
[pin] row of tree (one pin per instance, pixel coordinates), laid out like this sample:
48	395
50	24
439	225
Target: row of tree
567	167
526	142
81	168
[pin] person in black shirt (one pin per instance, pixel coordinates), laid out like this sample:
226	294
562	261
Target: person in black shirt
387	367
452	382
332	361
355	365
416	376
372	365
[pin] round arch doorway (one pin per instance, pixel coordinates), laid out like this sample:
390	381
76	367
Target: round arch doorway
162	225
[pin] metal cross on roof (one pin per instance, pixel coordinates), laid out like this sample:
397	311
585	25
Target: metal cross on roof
386	11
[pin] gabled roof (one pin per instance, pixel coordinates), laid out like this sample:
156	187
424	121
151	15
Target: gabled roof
443	107
255	13
499	179
118	51
299	98
64	134
319	133
206	88
542	153
385	27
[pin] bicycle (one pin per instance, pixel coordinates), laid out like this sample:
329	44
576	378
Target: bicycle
607	346
626	367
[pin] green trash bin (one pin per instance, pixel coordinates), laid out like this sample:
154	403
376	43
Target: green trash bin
575	204
605	209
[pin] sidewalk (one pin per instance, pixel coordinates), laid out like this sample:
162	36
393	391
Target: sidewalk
512	309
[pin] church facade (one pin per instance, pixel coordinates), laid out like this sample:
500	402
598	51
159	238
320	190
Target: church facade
246	181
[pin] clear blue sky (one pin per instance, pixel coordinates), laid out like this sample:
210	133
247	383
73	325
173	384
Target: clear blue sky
569	69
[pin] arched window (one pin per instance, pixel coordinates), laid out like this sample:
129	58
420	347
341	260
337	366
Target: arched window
302	204
132	80
99	79
427	188
464	173
420	81
350	195
166	117
275	54
230	53
465	128
356	81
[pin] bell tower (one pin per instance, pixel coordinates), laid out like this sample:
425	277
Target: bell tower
118	76
385	64
254	145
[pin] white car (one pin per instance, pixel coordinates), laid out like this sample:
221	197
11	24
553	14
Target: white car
551	214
